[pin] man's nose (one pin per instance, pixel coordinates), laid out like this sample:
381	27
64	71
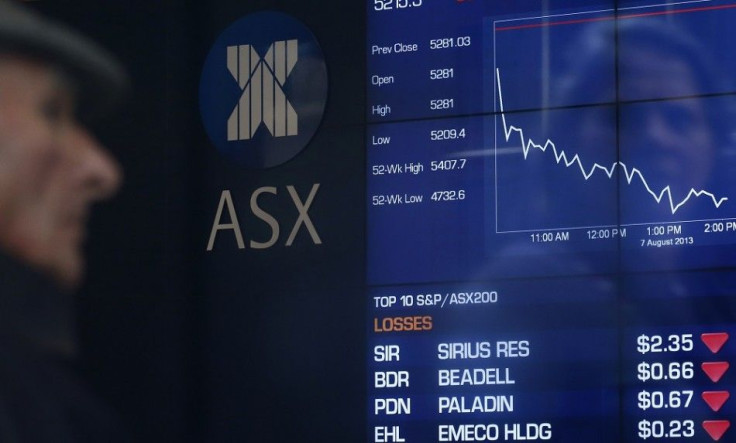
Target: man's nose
100	172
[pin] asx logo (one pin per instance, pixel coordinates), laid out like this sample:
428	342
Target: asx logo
263	90
263	100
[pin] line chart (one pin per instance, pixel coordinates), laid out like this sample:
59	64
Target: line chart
629	173
635	133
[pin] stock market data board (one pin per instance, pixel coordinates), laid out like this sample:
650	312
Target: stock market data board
551	229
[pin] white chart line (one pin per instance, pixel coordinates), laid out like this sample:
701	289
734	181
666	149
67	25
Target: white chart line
561	157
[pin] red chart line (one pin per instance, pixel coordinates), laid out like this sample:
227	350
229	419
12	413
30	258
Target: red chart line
616	17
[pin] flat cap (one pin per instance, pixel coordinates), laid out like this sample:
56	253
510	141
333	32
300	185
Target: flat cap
101	80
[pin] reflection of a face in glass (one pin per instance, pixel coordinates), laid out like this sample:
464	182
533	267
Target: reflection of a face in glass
662	126
672	140
51	170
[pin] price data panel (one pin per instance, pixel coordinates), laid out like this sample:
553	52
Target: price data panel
473	362
677	348
551	220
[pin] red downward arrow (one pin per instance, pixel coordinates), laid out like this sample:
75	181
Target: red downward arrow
716	399
715	370
716	428
714	341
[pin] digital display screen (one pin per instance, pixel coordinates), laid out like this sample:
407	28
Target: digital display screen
551	232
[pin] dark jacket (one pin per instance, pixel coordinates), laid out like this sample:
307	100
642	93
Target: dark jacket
41	398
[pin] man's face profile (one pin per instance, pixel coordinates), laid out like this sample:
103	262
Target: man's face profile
51	170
